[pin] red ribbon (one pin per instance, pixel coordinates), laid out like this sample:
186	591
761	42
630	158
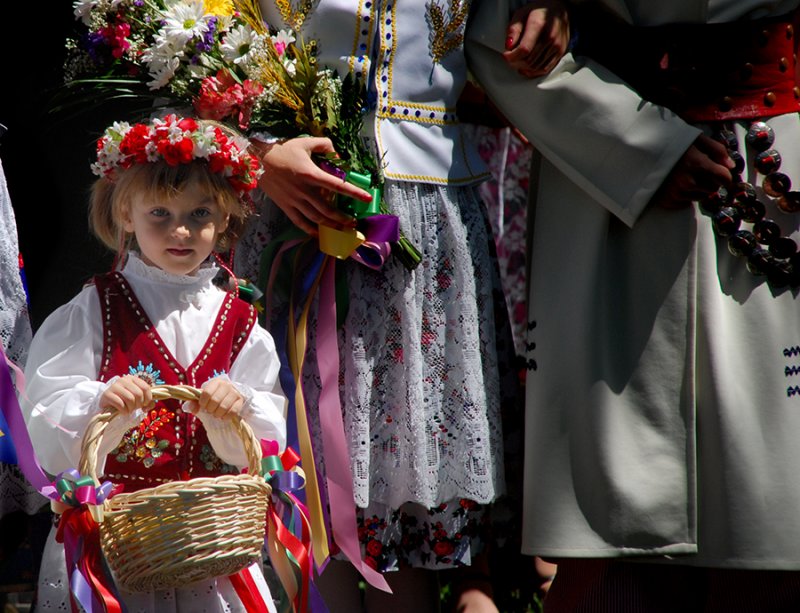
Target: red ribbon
248	592
80	534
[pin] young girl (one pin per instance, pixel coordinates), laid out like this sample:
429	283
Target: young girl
170	192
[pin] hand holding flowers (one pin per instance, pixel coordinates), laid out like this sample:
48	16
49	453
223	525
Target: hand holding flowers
220	58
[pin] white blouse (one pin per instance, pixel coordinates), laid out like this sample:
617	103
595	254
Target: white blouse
62	389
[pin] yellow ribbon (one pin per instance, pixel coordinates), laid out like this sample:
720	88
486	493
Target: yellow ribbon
339	243
297	352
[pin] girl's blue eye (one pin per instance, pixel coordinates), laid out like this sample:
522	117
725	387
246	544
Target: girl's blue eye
202	213
159	212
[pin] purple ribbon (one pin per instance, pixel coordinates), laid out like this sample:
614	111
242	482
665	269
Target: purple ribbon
18	431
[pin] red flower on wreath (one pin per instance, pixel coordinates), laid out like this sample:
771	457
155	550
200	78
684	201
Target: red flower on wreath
134	145
179	152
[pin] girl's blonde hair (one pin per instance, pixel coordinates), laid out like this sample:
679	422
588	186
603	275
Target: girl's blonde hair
110	200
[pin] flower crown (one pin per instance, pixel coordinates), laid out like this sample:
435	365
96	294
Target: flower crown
177	140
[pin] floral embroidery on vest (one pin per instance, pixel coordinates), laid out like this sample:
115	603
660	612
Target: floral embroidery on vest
446	27
141	444
294	13
148	373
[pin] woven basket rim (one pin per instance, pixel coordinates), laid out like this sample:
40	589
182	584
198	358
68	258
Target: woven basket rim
90	443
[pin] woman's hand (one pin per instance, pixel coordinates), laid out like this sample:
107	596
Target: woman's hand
218	397
127	394
302	189
702	170
537	37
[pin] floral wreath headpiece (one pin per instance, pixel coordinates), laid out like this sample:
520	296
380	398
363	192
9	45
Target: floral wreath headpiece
177	140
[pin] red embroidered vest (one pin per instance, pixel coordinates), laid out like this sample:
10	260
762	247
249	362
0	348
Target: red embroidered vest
168	445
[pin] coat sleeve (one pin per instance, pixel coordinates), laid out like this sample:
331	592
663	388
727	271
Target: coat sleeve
586	121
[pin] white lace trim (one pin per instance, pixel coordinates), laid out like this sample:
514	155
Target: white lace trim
15	327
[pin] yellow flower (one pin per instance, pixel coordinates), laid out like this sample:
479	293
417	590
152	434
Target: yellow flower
219	7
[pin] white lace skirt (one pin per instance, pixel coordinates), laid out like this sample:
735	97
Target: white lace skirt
420	372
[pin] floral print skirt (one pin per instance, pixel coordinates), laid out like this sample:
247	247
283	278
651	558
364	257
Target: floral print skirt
438	538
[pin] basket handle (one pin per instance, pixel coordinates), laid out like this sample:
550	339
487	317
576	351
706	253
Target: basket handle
90	443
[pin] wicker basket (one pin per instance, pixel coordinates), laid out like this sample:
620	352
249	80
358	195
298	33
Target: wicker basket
185	531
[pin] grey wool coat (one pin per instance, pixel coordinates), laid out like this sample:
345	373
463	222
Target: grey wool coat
662	412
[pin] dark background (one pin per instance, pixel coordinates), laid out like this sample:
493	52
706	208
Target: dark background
46	156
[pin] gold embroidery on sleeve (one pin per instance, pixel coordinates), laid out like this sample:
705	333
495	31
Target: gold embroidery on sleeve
294	13
446	26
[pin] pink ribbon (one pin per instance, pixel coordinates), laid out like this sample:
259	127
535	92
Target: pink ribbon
337	455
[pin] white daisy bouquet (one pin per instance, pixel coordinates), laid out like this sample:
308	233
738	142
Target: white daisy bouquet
221	59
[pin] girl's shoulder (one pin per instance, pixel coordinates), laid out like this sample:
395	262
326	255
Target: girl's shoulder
77	318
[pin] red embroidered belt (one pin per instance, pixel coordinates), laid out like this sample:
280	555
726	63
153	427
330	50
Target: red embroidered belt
702	72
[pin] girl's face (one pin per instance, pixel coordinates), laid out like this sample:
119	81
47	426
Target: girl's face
178	234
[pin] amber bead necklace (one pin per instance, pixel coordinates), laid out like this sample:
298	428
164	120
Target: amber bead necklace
763	247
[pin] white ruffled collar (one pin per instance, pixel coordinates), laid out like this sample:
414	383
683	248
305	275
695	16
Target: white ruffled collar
190	287
135	265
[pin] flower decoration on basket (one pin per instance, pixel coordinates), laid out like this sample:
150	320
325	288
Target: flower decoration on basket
219	58
177	140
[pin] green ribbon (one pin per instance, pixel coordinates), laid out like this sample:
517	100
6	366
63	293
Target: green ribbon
270	463
358	208
66	487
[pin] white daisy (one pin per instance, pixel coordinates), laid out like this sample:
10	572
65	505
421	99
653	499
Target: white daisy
240	44
185	21
162	60
205	142
162	72
290	66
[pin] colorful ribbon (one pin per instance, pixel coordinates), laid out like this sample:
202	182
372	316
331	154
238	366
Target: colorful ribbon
339	477
374	228
79	503
321	272
250	592
289	528
74	496
75	490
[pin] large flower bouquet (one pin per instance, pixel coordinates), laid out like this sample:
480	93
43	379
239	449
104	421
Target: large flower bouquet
221	59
